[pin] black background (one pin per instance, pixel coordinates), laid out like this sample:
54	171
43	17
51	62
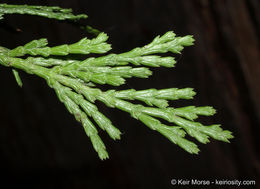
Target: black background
42	146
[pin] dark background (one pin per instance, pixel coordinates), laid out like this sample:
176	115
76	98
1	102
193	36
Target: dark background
42	146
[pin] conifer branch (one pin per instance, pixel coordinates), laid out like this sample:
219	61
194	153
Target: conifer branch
84	46
73	107
43	11
73	81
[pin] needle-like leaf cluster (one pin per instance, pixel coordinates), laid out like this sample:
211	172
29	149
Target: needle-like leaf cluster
75	83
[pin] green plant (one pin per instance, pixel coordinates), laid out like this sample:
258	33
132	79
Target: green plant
74	82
